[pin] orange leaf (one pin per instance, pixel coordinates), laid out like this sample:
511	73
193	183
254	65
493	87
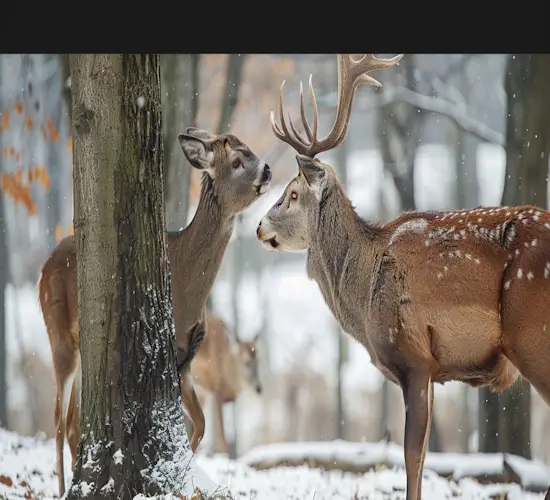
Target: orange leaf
29	123
19	107
58	232
43	130
5	119
55	136
45	179
6	480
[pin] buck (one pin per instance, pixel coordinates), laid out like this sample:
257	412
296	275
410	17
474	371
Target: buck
233	178
433	296
224	369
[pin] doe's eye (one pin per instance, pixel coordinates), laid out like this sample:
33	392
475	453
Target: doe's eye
294	195
237	163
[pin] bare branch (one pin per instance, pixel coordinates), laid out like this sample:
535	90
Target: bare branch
457	113
441	106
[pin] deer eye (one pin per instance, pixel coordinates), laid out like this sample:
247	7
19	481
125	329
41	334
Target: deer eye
237	163
294	195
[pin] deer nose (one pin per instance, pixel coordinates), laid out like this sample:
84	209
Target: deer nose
267	172
258	228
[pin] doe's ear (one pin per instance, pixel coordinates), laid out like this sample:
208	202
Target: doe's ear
312	170
197	152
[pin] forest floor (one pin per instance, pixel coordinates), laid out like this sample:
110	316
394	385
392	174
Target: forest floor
27	470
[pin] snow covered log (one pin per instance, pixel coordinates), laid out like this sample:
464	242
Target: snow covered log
363	457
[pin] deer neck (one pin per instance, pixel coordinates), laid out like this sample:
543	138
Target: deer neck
345	250
196	254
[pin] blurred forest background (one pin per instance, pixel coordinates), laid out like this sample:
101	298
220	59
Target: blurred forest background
444	131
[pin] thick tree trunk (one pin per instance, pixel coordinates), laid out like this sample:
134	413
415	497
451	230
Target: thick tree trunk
132	419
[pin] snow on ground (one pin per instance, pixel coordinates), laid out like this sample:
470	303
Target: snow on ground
27	471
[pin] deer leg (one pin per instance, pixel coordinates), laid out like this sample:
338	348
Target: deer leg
218	408
64	388
73	415
193	409
418	395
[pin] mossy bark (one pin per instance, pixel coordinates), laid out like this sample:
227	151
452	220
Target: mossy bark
133	436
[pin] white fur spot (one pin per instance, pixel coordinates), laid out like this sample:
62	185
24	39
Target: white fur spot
415	226
507	285
530	276
439	276
534	243
519	273
547	270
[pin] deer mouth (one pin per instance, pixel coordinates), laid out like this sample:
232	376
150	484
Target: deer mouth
271	244
261	188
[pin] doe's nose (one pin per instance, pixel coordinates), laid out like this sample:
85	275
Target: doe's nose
258	228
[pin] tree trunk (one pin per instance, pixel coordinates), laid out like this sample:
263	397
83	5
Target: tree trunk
132	418
54	92
180	77
488	421
467	188
527	147
235	63
66	89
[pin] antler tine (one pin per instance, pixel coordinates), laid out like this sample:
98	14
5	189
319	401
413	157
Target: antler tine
303	113
315	111
291	138
369	62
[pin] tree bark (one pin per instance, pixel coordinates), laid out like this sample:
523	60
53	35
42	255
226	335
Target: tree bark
133	436
180	76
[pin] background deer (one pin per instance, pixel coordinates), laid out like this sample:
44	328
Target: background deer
233	178
224	368
432	296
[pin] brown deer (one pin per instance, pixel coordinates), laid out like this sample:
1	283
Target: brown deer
233	178
433	296
224	368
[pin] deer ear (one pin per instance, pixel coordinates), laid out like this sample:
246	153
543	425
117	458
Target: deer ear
312	170
197	152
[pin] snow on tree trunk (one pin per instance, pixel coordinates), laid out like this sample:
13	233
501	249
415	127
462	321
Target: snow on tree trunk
133	434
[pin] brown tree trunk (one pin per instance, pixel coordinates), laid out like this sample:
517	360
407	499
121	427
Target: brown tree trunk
132	419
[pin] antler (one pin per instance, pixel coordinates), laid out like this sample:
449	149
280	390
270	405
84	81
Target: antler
351	74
